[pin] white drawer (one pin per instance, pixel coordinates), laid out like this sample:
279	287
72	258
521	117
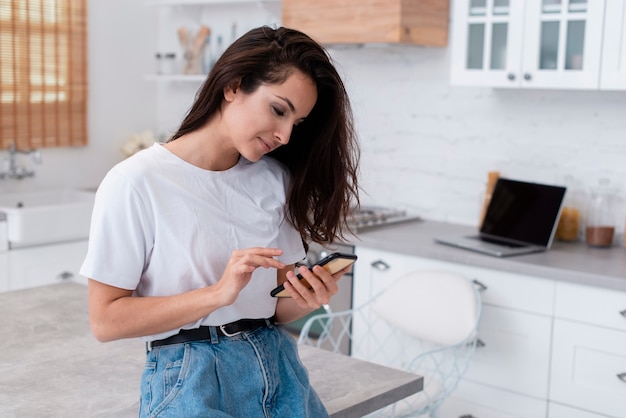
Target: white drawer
504	289
4	272
560	411
46	264
591	305
475	400
586	362
516	351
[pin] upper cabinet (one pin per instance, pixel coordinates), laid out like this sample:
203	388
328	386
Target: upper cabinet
614	57
423	22
538	43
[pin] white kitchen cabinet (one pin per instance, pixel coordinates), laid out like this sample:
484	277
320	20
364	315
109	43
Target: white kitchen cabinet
527	44
4	271
560	411
613	75
586	367
594	306
589	355
551	348
46	264
515	330
474	400
516	351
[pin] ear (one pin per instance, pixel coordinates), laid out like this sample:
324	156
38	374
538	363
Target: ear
231	90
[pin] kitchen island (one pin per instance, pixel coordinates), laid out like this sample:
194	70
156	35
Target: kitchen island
52	366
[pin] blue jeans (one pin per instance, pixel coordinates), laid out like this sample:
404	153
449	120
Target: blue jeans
257	373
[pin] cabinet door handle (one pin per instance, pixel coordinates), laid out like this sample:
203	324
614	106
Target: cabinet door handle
481	287
467	416
480	343
528	77
380	265
622	377
65	275
511	77
623	313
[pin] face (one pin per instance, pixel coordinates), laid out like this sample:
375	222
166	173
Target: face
260	122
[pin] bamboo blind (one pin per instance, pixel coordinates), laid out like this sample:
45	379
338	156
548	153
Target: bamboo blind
43	73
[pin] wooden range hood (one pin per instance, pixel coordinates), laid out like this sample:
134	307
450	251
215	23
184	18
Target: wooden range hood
418	22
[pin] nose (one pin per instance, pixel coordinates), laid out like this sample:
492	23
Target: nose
283	134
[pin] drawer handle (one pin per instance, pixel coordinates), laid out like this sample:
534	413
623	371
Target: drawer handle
623	313
481	287
65	275
622	377
380	265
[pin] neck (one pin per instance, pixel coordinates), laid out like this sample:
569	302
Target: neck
205	148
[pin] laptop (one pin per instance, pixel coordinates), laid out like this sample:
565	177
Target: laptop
521	218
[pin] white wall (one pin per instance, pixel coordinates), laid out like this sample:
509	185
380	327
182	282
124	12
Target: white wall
427	146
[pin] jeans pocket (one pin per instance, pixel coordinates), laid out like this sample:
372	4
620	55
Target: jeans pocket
163	378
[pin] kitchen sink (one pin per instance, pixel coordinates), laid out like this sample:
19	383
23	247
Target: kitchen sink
46	216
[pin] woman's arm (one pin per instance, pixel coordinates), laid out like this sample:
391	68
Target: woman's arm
303	300
114	313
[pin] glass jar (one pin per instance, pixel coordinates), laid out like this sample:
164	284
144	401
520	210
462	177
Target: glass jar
569	226
600	228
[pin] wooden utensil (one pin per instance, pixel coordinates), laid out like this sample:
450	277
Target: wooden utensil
196	49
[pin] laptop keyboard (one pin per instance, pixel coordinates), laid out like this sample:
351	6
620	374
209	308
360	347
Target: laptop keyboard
495	241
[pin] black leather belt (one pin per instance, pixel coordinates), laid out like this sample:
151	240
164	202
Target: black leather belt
204	332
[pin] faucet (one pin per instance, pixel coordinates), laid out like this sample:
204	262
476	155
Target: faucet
15	170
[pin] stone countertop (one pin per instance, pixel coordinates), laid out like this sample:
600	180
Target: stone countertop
569	262
52	366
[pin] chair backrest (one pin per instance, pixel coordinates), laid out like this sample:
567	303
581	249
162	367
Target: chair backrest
437	306
425	322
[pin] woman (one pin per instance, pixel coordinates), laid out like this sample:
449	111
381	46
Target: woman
189	238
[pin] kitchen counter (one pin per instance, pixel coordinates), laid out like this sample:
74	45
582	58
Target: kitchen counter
52	366
570	262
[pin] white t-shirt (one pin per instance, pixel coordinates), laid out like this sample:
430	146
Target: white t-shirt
161	226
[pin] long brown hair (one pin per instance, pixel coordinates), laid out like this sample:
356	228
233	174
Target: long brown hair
323	153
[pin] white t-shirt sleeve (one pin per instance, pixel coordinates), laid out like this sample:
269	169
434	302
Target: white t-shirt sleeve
121	234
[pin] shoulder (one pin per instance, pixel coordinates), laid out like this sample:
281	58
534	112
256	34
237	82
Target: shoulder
143	160
270	167
266	176
128	175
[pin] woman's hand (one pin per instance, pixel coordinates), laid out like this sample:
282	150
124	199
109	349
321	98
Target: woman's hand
239	270
323	287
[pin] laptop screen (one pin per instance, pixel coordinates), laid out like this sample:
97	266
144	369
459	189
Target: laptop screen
522	212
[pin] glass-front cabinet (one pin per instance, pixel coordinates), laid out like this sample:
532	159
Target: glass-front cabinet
528	44
614	56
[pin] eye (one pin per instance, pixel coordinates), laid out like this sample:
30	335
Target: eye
278	111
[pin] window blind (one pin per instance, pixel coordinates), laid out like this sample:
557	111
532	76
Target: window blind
43	73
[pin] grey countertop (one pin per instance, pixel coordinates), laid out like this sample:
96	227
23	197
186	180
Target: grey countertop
52	366
570	262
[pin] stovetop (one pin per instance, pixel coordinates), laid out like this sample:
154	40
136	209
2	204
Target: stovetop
367	217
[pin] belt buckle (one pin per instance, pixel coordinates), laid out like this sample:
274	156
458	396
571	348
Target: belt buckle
226	333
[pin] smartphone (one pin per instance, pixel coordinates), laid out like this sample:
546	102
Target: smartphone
332	264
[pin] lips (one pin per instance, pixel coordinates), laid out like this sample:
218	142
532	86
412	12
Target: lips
267	145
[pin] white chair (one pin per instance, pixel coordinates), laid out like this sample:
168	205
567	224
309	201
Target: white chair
425	322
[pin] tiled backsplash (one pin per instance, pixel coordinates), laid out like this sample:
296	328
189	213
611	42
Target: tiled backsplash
427	146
